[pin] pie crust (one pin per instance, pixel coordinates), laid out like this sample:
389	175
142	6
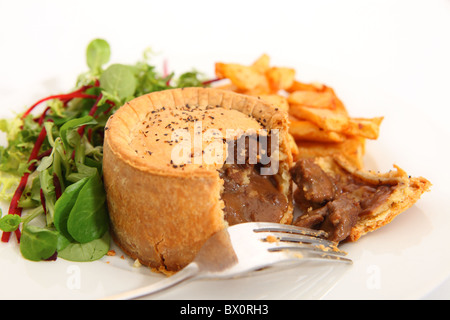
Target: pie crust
161	212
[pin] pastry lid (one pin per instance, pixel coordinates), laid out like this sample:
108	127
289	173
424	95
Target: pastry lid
179	130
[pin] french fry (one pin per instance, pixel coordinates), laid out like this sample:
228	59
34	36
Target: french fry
243	77
326	119
280	78
363	127
300	86
303	130
262	64
324	99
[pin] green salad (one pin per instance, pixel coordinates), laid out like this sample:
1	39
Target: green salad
51	167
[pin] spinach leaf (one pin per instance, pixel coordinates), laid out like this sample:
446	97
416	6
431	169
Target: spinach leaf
64	205
88	219
37	243
84	252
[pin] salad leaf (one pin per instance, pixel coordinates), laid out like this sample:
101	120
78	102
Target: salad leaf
85	252
21	136
68	137
88	220
98	53
48	191
38	243
64	205
119	80
189	79
10	222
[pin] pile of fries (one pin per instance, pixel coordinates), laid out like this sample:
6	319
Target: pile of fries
319	122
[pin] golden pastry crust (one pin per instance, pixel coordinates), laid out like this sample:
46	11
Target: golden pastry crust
161	213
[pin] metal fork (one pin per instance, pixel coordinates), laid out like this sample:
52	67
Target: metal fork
244	248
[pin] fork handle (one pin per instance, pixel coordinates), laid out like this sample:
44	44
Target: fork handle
187	273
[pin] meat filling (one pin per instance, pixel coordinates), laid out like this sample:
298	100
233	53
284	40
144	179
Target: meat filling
249	196
333	205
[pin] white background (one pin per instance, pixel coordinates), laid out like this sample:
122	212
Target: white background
387	58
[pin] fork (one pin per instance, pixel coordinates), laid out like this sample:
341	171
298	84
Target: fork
245	248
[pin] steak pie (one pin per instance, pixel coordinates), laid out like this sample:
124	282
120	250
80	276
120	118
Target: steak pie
179	165
347	202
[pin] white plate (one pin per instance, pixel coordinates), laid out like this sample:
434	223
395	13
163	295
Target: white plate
405	259
378	69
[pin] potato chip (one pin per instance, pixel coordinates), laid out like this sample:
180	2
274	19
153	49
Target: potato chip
313	99
303	130
280	78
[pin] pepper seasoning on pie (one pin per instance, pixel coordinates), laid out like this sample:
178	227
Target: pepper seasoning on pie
180	165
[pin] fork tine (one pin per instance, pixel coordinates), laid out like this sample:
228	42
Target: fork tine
276	227
299	242
298	252
294	238
279	237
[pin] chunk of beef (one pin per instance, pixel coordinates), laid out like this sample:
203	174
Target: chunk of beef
314	182
342	216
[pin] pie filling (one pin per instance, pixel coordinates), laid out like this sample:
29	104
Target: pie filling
334	204
248	195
